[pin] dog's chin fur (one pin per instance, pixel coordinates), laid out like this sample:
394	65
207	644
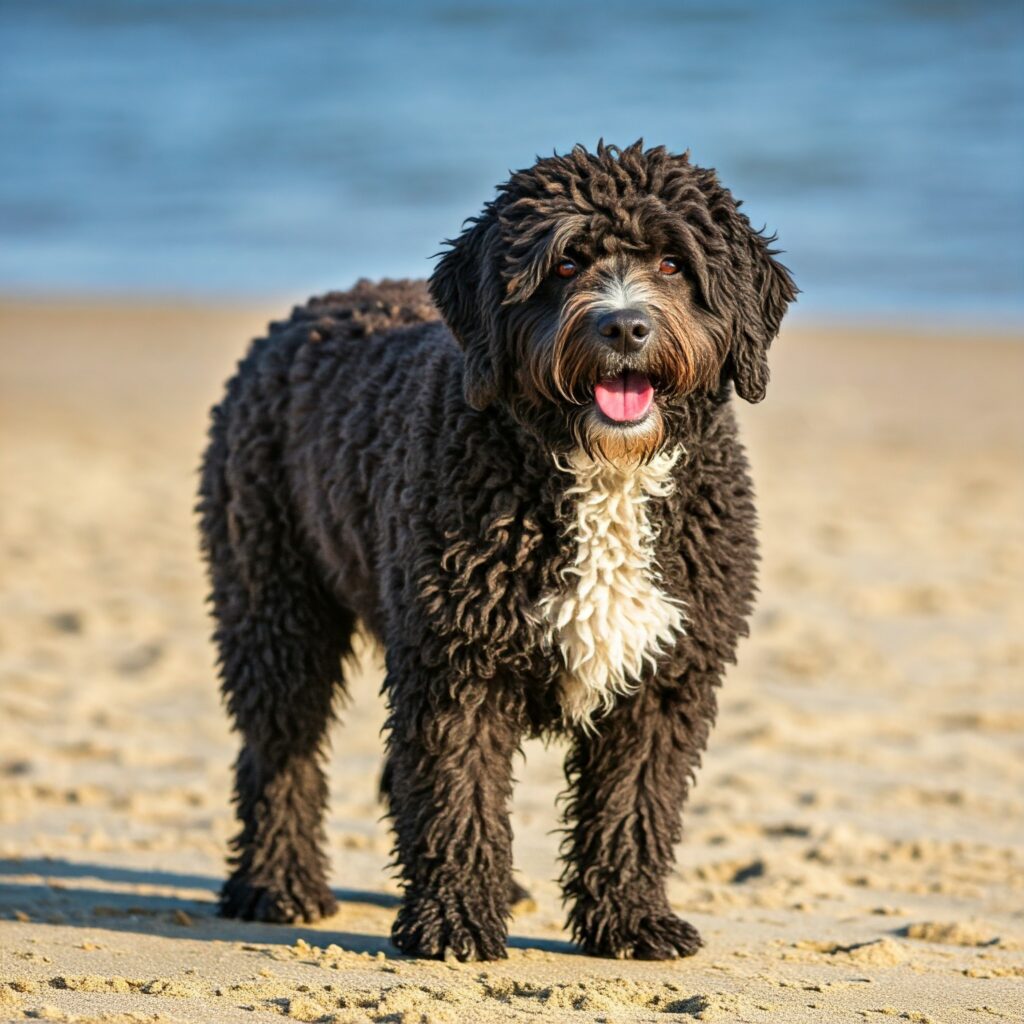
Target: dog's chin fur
622	445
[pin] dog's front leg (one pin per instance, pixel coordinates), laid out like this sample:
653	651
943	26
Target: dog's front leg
629	777
448	781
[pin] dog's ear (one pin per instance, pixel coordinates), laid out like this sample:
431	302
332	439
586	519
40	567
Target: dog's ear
741	280
462	289
762	291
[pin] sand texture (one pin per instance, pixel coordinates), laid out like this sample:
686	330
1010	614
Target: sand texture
854	850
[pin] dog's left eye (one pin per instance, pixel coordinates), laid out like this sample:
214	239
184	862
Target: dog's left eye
669	265
566	268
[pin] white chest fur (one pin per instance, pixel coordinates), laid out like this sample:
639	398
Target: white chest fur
608	616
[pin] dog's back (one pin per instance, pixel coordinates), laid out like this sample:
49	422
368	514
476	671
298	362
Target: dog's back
368	308
343	434
292	413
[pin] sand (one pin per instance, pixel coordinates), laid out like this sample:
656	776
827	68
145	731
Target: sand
854	849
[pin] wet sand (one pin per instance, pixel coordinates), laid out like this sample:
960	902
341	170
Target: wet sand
854	849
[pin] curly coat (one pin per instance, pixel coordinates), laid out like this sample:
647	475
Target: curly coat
528	567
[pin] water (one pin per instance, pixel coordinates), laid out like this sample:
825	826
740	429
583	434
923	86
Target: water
273	148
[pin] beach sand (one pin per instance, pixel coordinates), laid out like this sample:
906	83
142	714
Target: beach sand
854	849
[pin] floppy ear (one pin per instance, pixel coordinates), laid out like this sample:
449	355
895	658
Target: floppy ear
764	289
461	288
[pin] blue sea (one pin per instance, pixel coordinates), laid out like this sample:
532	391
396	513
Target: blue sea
272	148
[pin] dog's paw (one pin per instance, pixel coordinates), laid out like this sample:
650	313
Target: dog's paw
302	901
665	937
428	928
661	936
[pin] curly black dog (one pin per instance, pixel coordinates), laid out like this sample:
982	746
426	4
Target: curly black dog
538	506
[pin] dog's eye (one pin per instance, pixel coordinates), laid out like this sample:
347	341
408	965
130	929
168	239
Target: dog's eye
669	265
566	268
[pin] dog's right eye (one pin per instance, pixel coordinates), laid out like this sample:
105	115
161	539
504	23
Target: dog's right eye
566	268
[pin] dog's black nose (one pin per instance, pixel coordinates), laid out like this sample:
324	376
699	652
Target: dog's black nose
627	329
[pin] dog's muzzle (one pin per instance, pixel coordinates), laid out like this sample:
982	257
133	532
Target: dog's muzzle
625	396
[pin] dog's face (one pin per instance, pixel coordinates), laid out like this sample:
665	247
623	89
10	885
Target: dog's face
599	290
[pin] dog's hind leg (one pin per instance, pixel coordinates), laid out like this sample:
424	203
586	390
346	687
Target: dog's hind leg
628	780
279	680
281	639
448	784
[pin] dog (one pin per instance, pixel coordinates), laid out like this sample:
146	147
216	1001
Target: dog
523	478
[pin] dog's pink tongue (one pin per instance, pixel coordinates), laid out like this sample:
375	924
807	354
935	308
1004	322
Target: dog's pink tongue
624	398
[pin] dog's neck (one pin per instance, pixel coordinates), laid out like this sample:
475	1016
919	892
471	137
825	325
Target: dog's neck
607	616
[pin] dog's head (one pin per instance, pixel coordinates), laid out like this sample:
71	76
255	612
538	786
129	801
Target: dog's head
597	291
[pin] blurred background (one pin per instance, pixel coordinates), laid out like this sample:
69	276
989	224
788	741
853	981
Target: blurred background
173	173
217	148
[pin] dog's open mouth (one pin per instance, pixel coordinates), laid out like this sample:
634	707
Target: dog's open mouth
625	398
